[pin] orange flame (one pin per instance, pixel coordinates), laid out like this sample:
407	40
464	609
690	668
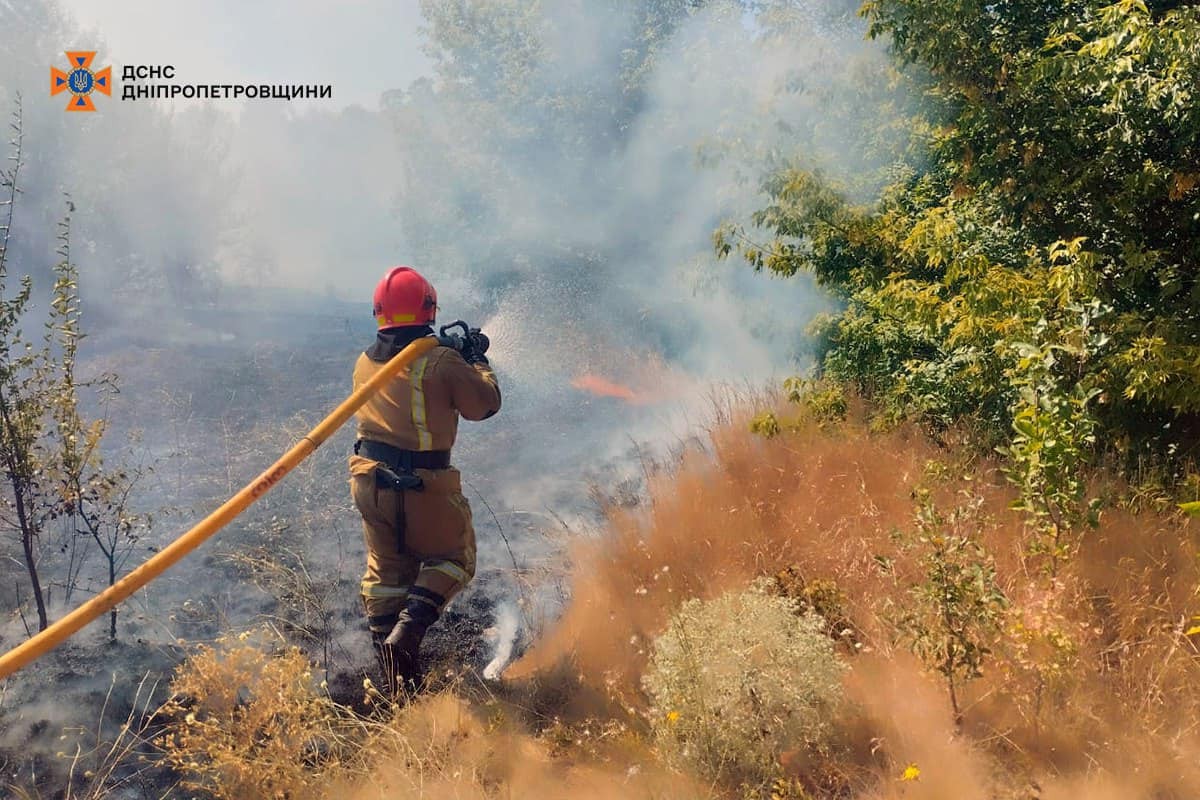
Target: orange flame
603	387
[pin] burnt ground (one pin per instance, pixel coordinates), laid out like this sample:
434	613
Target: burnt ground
455	651
208	403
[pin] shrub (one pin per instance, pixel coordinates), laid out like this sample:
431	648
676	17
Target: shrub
739	680
958	607
824	401
766	424
252	724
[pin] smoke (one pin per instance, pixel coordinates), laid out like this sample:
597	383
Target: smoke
574	216
508	621
558	174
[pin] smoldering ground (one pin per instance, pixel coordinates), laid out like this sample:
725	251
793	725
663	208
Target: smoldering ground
567	213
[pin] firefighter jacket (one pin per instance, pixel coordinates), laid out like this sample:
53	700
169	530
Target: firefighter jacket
419	410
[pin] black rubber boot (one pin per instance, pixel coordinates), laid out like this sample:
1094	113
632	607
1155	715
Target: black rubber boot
387	663
403	647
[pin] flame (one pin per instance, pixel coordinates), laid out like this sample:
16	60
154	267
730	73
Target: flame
646	380
603	387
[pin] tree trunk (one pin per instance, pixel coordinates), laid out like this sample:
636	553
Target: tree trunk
27	537
28	534
112	578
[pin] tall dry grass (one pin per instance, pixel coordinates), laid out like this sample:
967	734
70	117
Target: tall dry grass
1088	691
1092	680
250	722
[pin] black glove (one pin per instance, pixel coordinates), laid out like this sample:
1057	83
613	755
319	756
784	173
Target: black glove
475	345
473	356
472	344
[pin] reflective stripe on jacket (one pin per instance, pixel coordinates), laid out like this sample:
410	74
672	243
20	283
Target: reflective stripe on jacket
419	410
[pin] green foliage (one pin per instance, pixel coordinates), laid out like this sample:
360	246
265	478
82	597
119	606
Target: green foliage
766	425
1056	203
1053	435
958	607
49	453
738	680
823	401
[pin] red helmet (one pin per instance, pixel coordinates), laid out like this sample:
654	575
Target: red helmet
404	298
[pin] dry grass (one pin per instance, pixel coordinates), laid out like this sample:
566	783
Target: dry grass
1093	677
824	502
1088	690
250	723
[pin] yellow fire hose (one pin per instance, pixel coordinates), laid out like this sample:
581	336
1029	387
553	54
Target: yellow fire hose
27	652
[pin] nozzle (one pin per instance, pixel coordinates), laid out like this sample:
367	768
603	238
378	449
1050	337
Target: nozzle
470	339
479	340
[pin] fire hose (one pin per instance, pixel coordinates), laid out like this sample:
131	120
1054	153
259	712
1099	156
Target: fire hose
29	651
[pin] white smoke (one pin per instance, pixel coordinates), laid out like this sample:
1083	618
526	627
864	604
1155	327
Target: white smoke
504	635
591	259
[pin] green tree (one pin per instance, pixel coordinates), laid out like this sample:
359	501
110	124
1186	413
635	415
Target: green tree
94	500
49	453
21	406
1057	181
958	608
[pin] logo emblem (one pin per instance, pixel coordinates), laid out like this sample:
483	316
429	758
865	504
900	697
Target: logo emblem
81	81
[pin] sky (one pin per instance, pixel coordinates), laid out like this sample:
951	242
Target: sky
361	47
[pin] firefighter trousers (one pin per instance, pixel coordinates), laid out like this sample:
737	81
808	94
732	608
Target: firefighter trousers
420	543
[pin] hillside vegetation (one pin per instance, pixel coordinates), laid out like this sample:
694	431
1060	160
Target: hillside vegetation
1031	263
696	656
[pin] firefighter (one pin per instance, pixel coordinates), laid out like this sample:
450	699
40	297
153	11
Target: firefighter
417	523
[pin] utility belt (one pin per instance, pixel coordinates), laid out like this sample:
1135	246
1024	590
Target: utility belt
395	470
